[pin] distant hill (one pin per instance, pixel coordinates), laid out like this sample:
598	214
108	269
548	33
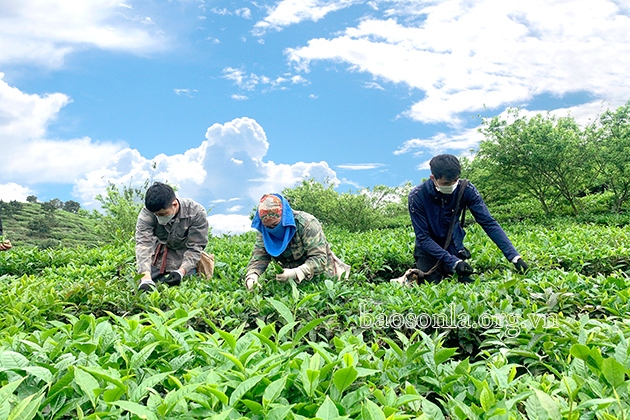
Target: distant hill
28	225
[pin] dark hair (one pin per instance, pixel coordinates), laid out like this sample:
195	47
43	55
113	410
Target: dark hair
159	196
445	166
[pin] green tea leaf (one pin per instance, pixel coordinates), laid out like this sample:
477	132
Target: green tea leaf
137	409
344	377
580	351
328	410
25	409
614	372
87	383
274	390
243	387
371	411
282	309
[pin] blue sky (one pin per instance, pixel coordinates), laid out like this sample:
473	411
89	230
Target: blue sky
231	100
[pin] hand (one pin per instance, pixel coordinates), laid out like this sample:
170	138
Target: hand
413	274
521	266
251	281
287	274
146	283
5	245
462	268
174	278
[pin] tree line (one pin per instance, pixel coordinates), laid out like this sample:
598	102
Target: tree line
555	162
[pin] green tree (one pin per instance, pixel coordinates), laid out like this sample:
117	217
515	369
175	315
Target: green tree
71	206
121	206
543	156
315	198
609	140
31	199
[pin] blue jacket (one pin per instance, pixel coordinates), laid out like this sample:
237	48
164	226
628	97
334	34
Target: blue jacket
431	213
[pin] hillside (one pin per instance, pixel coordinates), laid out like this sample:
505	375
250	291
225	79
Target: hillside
32	226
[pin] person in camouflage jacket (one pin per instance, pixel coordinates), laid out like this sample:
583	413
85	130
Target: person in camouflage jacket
294	239
171	233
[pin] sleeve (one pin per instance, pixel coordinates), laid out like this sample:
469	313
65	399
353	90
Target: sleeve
419	220
316	248
196	241
492	228
260	258
145	240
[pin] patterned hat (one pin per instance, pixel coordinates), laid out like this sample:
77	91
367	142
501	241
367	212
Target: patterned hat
270	210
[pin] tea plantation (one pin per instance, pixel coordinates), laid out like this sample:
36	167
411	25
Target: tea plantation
77	341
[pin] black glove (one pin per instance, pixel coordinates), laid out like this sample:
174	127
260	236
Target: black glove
521	266
174	278
462	268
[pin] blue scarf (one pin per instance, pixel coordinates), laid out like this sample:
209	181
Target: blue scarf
277	239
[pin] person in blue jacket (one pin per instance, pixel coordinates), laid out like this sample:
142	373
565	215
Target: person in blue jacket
432	207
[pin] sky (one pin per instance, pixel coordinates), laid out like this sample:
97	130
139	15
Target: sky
229	100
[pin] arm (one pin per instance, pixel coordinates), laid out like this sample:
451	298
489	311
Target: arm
492	228
145	241
260	259
316	249
420	223
196	241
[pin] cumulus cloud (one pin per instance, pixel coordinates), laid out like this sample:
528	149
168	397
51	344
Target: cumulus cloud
12	191
44	33
226	173
466	56
28	156
229	224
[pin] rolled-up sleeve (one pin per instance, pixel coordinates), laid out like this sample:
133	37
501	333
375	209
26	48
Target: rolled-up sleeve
196	241
145	240
260	259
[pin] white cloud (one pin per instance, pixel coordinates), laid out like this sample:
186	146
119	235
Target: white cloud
229	224
360	166
229	163
466	55
289	12
186	92
44	32
239	97
12	191
28	156
244	13
251	81
442	143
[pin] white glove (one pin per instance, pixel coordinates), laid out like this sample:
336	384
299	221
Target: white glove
295	274
251	281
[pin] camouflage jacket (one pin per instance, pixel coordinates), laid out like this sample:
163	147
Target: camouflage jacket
186	235
308	249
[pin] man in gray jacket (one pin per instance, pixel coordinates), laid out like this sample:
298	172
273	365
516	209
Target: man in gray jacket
171	233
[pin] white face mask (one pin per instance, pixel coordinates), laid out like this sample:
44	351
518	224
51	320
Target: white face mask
165	219
446	189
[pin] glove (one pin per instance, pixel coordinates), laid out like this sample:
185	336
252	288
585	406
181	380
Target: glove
146	284
413	274
521	266
462	268
295	274
174	278
251	281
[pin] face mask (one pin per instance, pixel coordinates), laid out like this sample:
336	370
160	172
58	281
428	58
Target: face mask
446	189
164	219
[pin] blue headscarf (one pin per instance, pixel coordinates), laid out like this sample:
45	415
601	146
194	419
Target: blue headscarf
277	239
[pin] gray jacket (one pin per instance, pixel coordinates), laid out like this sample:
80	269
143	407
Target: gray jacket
185	236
